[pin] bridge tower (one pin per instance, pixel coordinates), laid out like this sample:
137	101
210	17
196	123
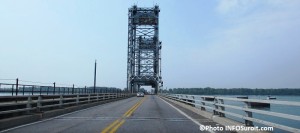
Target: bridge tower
144	49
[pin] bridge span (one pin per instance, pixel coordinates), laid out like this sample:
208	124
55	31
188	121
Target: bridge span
135	115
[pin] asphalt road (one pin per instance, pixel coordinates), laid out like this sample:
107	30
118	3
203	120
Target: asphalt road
134	115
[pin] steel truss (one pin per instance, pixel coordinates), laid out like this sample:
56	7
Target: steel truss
144	49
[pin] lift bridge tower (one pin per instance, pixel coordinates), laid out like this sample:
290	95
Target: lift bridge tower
144	49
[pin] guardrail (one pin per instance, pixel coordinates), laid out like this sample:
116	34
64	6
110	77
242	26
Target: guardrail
19	105
17	89
218	108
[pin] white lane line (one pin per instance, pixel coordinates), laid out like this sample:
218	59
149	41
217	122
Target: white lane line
187	116
3	131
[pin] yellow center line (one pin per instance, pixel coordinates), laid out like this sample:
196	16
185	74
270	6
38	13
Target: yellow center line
132	107
117	126
130	112
110	126
113	127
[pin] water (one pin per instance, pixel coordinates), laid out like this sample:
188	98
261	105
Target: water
294	110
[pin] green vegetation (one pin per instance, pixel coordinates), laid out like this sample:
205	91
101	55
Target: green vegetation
234	91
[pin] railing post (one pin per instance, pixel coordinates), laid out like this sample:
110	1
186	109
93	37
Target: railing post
12	90
89	98
77	99
186	99
193	101
190	101
39	103
216	112
17	86
61	101
220	101
28	105
248	114
54	88
23	89
203	104
222	108
73	89
47	90
40	90
32	90
97	97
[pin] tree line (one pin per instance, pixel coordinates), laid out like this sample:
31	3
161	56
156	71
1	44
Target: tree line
234	91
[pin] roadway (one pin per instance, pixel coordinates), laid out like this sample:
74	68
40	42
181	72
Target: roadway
133	115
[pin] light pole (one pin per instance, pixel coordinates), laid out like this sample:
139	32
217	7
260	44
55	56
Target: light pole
95	76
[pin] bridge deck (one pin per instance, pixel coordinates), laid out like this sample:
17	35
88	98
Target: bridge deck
134	115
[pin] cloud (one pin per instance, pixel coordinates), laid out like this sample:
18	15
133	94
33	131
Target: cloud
258	46
228	6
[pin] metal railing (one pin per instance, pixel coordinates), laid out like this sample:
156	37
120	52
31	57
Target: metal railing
19	105
17	89
218	107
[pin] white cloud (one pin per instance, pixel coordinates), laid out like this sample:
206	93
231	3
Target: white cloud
229	6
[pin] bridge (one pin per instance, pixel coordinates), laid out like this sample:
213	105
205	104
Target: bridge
35	108
148	114
80	110
61	109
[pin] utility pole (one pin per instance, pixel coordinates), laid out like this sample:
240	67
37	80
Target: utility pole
95	76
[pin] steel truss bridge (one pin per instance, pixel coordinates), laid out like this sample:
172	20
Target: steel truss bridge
144	49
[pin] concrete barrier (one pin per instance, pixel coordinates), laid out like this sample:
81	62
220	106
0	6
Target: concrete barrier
33	117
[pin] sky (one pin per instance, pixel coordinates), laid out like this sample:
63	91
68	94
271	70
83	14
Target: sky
206	43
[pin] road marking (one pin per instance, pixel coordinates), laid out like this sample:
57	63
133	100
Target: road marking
53	118
110	126
117	126
130	113
124	115
184	114
113	127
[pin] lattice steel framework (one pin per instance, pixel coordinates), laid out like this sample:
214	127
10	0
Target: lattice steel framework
144	49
